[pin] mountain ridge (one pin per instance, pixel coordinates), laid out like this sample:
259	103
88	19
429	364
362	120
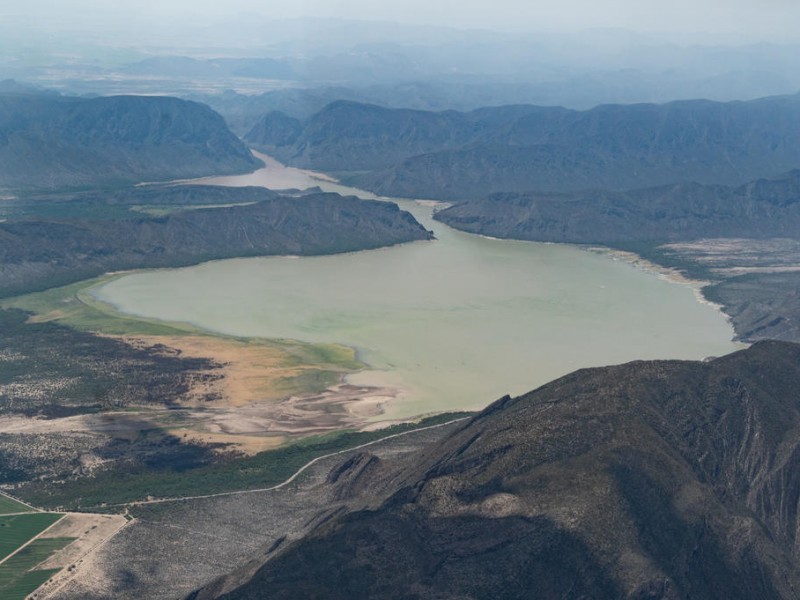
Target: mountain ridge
657	479
762	208
68	142
457	155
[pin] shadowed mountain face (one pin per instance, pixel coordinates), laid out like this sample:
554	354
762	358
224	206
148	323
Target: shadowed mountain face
452	155
763	208
56	142
663	479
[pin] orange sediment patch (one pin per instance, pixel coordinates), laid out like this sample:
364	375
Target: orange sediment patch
248	372
247	444
256	396
256	399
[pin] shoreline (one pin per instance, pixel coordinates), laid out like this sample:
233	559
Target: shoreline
262	393
670	274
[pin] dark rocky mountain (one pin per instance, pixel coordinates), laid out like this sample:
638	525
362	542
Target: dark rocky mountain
38	253
658	479
454	155
759	209
67	142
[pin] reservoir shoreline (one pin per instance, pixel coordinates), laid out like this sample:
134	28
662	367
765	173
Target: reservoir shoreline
499	287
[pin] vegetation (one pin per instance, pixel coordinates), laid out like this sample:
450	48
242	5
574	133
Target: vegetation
456	155
116	487
37	253
10	506
78	371
686	212
16	530
74	306
52	142
17	577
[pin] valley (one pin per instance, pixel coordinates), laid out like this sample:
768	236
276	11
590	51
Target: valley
390	305
439	321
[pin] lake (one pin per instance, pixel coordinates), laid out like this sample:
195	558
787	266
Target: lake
455	323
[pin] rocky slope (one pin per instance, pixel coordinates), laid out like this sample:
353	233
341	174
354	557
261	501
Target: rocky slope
453	155
663	479
761	305
51	142
352	136
38	253
759	209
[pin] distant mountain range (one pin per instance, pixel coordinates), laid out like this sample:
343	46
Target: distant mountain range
49	142
455	155
759	209
658	479
39	253
193	68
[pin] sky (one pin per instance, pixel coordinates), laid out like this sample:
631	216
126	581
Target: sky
751	19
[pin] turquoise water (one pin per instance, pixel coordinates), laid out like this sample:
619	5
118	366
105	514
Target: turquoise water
455	323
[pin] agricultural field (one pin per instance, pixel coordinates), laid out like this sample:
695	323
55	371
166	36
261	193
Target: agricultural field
18	575
9	506
17	530
19	524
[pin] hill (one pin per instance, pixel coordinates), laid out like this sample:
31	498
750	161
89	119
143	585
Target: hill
759	209
38	253
457	155
51	142
662	479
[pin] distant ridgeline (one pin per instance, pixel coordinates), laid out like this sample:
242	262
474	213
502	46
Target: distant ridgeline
54	142
456	155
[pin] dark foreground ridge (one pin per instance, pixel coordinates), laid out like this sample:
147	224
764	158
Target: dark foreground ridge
39	253
52	142
659	479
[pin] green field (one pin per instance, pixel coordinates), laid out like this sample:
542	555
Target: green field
74	306
16	578
10	506
16	530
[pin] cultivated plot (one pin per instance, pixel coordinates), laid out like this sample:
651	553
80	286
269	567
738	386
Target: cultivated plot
18	530
18	576
9	506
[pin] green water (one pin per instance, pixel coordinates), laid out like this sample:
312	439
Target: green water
456	322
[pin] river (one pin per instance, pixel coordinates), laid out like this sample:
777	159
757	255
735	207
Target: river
454	323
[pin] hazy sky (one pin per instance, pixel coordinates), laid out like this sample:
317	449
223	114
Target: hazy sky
764	19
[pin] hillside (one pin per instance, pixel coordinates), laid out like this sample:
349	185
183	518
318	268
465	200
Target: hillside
351	136
663	479
49	142
456	155
763	208
37	253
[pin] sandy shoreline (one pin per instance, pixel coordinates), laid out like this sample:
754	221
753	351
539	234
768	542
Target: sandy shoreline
252	399
666	273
